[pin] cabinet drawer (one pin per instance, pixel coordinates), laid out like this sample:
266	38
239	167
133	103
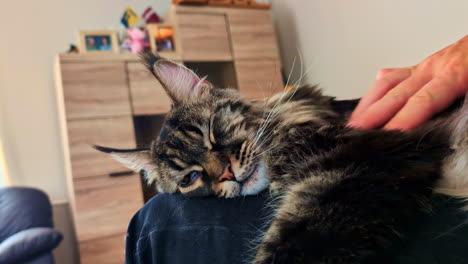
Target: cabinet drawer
204	37
148	96
95	89
253	35
110	132
259	79
107	250
105	205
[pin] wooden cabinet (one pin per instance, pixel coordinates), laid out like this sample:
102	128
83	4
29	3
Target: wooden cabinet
253	35
250	35
203	37
95	89
112	100
148	96
110	132
106	250
258	79
95	104
118	199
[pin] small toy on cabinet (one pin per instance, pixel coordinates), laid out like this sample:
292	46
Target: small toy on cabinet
136	41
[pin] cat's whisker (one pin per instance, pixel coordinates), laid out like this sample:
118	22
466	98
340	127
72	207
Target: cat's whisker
277	112
272	82
277	108
301	59
265	151
261	88
269	114
291	71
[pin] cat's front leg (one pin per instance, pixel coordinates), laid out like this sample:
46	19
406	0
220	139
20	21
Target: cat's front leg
287	239
275	249
332	217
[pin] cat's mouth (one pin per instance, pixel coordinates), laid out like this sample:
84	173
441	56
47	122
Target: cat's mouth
254	179
248	173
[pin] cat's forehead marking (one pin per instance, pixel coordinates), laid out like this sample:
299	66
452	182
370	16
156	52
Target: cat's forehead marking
179	162
212	137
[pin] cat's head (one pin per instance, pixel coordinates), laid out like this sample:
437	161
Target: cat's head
208	145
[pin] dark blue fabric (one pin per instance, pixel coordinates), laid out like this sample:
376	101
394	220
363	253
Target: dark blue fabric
178	230
28	243
172	229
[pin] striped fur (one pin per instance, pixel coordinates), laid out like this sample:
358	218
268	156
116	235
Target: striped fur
344	194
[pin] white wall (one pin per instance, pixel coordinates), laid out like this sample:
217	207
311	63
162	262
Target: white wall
345	42
33	32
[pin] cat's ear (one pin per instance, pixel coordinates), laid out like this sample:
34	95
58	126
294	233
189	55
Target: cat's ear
134	159
180	83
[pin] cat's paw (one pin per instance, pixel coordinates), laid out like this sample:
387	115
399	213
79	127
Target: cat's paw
229	189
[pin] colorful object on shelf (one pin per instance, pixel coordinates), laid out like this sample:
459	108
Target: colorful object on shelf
150	16
162	38
126	46
129	17
73	49
98	41
137	40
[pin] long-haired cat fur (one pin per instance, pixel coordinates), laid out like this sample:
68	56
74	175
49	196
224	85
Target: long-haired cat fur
345	194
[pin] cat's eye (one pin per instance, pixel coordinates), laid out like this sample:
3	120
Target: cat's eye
189	179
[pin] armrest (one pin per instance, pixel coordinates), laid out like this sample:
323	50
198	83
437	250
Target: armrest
28	243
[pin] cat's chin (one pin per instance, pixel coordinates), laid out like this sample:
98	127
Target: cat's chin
256	181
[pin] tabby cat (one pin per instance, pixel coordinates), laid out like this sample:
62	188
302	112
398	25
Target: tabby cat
344	193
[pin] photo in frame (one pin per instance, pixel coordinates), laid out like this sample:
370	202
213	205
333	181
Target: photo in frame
102	41
162	38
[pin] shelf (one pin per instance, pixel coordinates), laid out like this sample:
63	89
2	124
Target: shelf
107	57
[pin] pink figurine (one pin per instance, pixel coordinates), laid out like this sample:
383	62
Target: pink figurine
137	40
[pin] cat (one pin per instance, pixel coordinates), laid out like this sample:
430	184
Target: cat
344	194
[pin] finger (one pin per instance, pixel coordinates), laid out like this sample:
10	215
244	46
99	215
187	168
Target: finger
386	80
384	109
434	97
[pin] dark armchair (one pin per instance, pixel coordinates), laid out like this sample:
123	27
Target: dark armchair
26	228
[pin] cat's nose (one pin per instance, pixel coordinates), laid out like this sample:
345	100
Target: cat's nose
227	175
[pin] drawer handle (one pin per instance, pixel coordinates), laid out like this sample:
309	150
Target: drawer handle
121	173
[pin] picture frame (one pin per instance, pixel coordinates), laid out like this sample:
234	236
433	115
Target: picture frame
98	41
163	39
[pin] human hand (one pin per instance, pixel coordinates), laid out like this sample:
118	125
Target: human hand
404	98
